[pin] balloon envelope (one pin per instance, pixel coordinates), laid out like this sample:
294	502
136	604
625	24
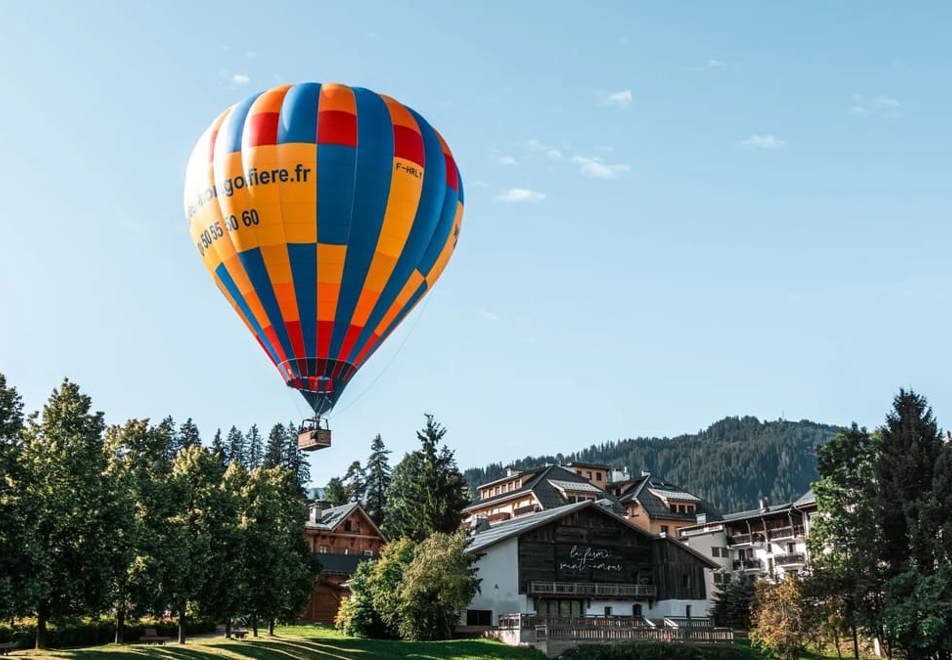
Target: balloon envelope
324	213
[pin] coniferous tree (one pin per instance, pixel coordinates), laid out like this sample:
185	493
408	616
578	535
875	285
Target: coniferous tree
167	430
427	493
355	482
218	447
275	451
908	451
254	448
940	507
378	478
335	493
187	436
68	540
295	460
234	447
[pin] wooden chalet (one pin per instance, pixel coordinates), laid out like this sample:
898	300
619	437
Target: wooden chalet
342	537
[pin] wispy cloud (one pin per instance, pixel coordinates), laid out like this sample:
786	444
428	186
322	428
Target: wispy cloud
765	141
882	104
595	167
591	166
506	160
240	79
486	314
517	195
709	65
620	99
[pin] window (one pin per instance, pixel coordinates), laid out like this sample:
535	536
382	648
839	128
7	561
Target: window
347	526
791	548
368	553
346	551
323	550
716	551
588	474
479	617
664	529
608	611
598	477
685	581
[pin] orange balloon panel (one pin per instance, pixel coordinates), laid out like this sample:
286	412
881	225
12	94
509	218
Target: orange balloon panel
324	213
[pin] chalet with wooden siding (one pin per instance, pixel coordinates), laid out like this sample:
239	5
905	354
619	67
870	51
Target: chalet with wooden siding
529	491
657	505
583	559
341	537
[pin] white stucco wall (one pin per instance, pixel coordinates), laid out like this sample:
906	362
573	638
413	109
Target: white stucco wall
498	569
704	542
677	607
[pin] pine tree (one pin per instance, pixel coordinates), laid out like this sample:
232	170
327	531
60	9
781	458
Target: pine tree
167	431
295	460
335	493
355	482
218	447
940	508
378	478
187	436
234	447
254	448
427	493
908	451
275	451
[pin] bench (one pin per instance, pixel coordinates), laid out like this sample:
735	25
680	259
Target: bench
6	647
152	637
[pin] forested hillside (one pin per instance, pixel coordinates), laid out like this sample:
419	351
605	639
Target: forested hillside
732	463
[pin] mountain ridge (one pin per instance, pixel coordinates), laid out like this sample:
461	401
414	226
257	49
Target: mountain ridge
732	464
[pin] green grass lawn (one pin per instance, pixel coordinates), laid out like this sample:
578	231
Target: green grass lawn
297	642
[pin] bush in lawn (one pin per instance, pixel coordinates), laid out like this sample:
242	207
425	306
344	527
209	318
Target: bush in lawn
658	652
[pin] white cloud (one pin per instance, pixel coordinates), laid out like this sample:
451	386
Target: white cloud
709	65
620	99
595	167
516	195
506	160
886	102
882	105
240	79
488	315
766	141
554	154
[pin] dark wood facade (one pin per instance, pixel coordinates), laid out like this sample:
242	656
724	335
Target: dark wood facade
585	546
595	548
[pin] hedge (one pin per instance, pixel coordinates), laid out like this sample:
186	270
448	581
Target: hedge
642	651
92	632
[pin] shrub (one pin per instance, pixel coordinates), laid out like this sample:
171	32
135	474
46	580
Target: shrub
93	632
642	651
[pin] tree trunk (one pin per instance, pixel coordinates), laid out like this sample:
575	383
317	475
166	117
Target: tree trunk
254	625
121	624
181	624
41	627
855	635
271	627
228	628
836	640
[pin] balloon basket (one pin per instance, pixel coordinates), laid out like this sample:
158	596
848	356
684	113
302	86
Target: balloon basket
312	436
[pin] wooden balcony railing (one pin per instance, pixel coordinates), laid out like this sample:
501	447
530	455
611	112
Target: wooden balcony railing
499	517
748	565
684	622
789	532
531	620
581	632
593	589
746	539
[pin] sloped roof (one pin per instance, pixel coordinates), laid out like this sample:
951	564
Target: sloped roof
576	486
806	499
516	527
755	513
679	495
648	491
330	519
539	485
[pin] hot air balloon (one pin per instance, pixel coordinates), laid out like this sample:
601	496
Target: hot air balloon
324	213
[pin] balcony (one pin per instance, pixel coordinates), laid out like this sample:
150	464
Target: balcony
522	510
791	559
746	539
790	532
499	517
748	565
591	589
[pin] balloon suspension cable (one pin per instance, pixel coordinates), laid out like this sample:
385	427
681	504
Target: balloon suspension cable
416	321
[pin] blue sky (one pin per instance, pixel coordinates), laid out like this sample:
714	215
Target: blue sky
673	213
